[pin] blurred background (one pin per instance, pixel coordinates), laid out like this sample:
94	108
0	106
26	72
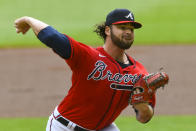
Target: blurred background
33	80
164	21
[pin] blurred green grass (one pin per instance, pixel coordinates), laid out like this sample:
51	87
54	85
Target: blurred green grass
158	123
164	21
23	124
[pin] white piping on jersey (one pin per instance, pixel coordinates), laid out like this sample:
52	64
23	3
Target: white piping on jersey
100	55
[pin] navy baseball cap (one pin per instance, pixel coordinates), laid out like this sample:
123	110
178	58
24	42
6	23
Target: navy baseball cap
119	16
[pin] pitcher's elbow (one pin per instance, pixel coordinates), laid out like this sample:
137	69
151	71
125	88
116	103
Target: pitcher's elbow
144	118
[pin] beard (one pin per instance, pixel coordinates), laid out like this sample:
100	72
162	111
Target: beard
123	43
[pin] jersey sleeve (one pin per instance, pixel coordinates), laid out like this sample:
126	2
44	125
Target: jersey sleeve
75	53
55	40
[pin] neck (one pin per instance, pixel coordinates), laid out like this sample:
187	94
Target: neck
115	52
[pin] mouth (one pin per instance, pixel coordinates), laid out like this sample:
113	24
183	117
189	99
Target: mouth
127	37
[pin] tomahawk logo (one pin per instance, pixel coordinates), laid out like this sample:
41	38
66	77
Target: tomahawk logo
121	87
129	15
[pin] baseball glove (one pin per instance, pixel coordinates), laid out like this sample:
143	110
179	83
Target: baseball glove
145	87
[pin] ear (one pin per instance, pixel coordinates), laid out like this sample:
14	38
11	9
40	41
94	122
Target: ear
107	30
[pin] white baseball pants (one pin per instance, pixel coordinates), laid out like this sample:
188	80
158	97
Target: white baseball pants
54	125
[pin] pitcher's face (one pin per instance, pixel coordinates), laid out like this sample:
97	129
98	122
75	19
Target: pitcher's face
122	35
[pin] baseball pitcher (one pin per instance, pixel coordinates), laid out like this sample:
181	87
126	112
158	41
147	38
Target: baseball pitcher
105	80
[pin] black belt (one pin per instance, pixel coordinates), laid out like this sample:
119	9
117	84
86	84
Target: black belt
66	122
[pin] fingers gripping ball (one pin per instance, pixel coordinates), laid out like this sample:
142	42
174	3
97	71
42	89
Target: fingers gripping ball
147	86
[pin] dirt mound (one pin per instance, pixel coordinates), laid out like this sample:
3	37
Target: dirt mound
34	81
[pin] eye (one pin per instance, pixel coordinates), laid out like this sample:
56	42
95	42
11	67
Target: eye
125	27
122	27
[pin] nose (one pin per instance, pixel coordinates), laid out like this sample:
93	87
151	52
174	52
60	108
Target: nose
128	31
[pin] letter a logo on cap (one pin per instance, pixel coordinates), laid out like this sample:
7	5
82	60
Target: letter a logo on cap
129	15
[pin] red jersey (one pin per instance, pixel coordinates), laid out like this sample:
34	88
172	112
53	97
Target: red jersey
100	87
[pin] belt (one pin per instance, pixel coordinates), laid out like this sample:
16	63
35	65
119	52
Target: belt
66	123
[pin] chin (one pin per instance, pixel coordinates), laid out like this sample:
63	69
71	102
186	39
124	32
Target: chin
127	46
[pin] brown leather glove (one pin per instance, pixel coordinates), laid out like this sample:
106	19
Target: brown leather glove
145	87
